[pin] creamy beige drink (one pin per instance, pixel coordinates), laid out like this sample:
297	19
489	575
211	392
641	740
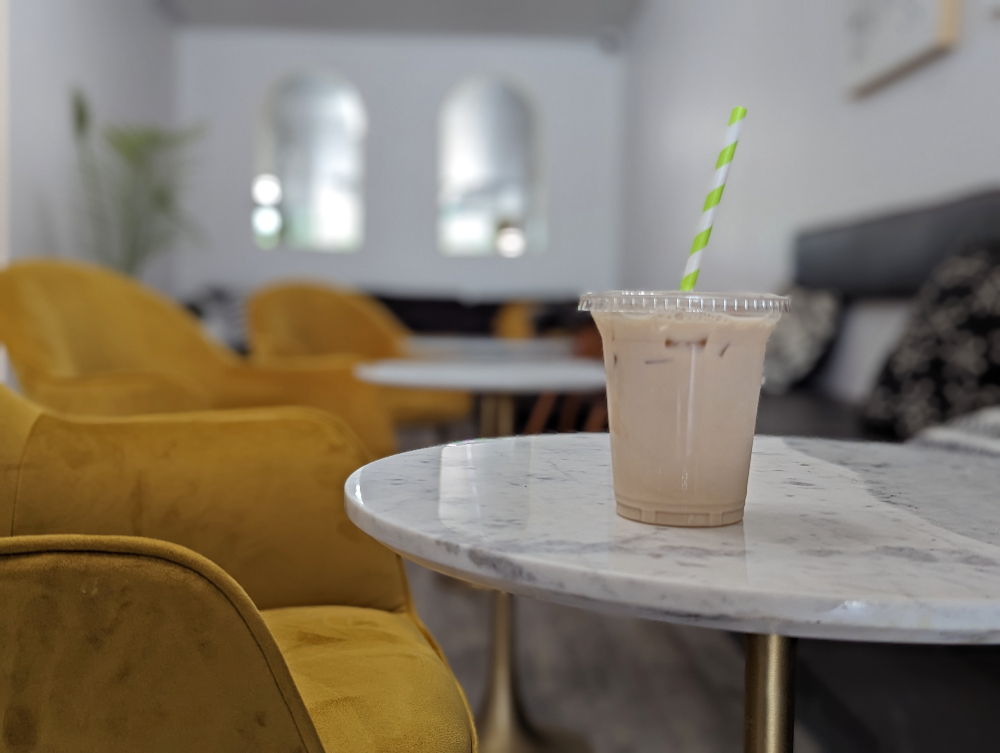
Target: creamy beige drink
683	384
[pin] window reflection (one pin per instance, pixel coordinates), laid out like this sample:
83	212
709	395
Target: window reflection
310	165
489	193
267	190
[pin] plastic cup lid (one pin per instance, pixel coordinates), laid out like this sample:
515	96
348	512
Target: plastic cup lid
653	301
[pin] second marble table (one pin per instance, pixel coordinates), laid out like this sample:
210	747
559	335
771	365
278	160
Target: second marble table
504	727
486	348
496	382
841	540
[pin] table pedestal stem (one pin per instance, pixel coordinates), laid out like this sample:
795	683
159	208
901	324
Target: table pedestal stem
770	694
502	724
496	416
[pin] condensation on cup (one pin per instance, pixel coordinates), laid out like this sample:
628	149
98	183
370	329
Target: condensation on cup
684	374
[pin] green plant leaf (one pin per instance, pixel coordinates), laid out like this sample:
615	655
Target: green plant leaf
132	180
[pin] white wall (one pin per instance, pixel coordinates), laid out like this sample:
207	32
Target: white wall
120	53
223	76
808	154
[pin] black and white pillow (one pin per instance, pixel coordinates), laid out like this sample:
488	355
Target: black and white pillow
801	338
948	362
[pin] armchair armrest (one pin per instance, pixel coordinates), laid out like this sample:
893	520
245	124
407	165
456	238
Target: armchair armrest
128	642
327	383
116	393
258	492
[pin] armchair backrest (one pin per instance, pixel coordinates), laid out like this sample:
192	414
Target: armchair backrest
299	319
61	318
258	492
123	644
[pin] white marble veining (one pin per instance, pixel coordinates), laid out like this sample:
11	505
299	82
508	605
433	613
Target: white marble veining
507	377
840	540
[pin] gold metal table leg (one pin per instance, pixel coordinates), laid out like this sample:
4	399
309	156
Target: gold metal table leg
496	416
505	415
770	694
502	724
488	416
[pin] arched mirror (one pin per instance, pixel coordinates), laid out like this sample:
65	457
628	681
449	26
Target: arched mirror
308	191
489	199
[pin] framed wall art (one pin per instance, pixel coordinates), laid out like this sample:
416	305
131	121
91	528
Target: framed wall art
889	38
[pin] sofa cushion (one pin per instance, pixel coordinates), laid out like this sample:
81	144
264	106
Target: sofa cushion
372	681
948	362
870	330
800	339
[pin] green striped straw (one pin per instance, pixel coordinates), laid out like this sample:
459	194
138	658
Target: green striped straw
714	197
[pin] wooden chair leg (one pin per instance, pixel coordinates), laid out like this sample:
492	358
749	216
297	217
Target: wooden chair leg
540	413
569	412
597	418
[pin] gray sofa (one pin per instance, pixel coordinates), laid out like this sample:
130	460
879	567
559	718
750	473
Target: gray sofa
876	265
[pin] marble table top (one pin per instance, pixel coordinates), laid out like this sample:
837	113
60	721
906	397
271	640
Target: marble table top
842	540
483	376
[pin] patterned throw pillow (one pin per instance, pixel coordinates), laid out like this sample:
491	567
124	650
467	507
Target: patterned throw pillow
801	338
948	362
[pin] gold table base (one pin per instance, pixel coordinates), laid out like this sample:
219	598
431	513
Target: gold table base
502	724
770	694
496	416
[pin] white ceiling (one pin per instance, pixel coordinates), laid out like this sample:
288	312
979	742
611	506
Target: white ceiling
572	18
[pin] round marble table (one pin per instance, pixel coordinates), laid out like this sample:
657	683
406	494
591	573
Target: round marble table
840	540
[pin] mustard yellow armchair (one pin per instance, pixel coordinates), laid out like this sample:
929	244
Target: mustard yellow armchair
116	642
295	323
83	339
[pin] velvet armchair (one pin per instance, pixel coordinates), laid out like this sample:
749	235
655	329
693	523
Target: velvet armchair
302	323
83	339
116	642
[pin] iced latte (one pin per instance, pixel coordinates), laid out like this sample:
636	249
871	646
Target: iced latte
684	374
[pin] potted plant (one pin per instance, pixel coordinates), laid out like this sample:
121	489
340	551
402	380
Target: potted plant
131	178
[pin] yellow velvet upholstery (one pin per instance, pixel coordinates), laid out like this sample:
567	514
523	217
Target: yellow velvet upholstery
83	339
343	656
301	319
515	321
260	493
294	322
119	645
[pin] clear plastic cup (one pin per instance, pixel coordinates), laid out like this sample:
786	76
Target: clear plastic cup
684	374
